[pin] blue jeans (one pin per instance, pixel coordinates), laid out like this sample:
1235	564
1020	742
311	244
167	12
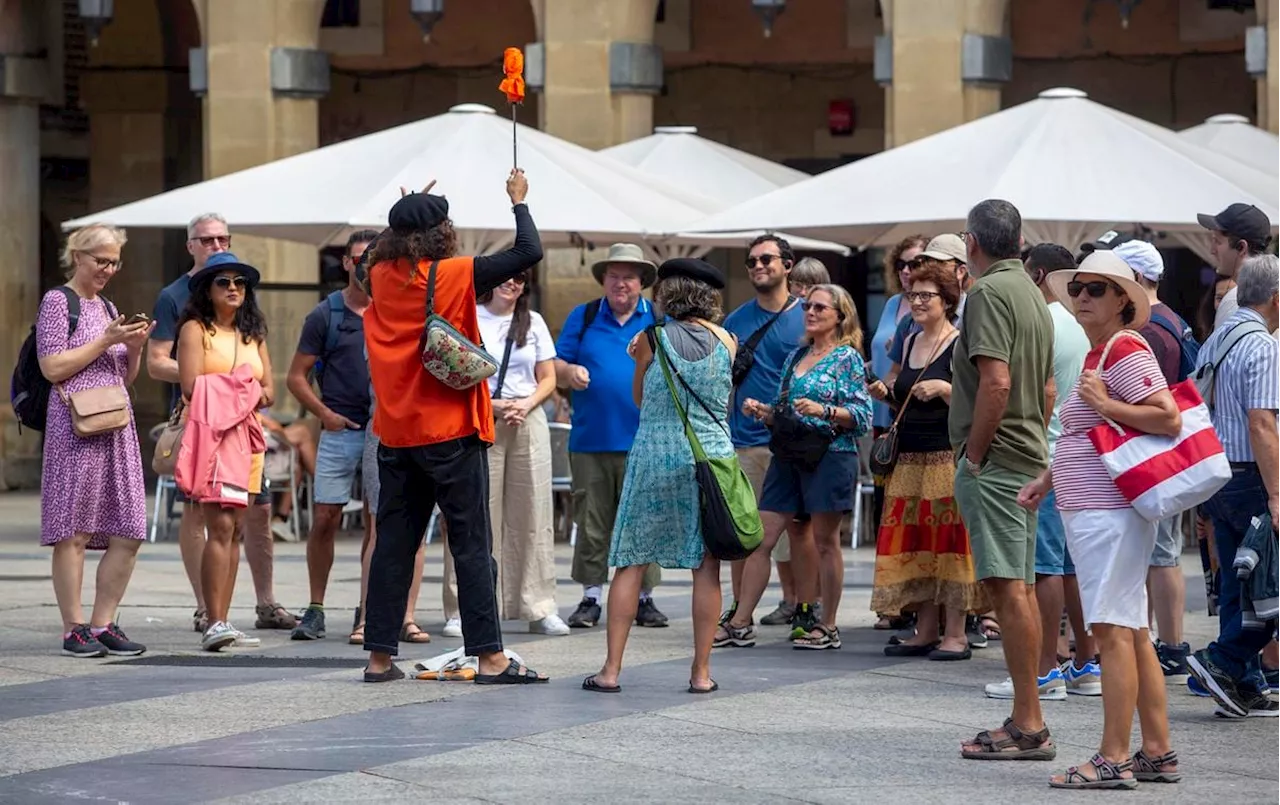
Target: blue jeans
1236	504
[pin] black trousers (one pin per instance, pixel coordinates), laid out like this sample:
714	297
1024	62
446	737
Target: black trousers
455	476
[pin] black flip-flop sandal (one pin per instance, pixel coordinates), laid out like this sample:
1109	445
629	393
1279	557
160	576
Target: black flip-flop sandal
714	687
512	676
592	685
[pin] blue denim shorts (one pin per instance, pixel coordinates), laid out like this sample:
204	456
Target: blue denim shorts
337	459
827	489
1052	556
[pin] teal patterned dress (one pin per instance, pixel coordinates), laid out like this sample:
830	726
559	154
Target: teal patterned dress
658	517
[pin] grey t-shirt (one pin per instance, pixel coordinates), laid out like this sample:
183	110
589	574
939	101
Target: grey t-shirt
691	341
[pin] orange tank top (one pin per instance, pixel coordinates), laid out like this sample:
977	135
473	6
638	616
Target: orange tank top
413	407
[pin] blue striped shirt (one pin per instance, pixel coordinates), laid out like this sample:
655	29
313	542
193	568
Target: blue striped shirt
1247	379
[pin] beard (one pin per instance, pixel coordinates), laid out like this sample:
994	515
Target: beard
769	282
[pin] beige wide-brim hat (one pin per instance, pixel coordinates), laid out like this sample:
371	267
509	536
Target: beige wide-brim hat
627	254
1104	264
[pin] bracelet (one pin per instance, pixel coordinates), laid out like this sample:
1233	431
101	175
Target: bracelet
828	412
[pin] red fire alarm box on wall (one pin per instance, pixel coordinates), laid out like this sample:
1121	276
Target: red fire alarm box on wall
840	118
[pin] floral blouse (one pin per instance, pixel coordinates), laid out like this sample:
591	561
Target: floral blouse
838	379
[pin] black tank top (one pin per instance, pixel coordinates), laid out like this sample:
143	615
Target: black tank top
923	428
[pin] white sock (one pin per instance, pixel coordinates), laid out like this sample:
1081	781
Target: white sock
592	592
646	595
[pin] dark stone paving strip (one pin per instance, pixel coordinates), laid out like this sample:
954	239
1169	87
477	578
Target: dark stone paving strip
255	761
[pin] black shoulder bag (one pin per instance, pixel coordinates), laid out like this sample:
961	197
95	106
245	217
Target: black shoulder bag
502	370
746	357
792	440
884	450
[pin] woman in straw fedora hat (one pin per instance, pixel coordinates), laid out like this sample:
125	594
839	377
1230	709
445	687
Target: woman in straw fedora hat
1109	541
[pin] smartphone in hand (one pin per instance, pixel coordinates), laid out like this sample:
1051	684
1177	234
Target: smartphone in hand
137	318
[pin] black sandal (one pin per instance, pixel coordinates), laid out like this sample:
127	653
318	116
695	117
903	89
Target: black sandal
515	674
714	687
1148	769
592	685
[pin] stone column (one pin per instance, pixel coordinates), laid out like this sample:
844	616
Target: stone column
595	72
942	63
265	76
1266	45
22	85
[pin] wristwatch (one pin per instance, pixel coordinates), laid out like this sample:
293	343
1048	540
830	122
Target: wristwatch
972	466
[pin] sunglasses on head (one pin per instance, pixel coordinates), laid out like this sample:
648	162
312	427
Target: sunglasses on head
228	282
1096	289
765	260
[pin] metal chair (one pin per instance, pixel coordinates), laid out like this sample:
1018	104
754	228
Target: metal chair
864	491
279	469
562	477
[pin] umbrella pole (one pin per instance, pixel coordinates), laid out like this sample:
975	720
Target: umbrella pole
514	161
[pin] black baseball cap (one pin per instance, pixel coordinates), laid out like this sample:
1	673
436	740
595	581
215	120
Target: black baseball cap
1106	241
1240	220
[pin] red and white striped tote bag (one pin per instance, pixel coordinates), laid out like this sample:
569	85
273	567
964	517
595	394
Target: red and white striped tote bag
1164	475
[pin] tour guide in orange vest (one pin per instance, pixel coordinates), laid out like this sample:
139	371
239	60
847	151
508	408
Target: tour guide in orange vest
434	437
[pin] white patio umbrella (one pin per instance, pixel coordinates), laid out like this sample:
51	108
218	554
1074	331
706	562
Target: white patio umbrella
726	176
321	196
1073	167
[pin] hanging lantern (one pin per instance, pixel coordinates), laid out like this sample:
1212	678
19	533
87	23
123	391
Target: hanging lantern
95	14
426	13
768	11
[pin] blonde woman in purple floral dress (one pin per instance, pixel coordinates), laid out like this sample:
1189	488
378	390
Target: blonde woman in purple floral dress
93	496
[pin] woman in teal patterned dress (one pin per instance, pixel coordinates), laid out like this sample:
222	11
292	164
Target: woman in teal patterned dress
658	518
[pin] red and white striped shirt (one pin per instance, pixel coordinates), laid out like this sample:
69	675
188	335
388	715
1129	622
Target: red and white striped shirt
1080	481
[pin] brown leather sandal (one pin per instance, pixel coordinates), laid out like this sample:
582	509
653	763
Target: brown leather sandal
1107	775
412	633
1015	745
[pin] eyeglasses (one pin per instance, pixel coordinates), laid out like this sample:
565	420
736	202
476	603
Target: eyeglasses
215	240
1097	289
921	296
816	307
765	260
103	262
228	282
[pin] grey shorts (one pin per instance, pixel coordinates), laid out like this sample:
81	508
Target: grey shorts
369	469
1168	550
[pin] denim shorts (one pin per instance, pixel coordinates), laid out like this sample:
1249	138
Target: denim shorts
1052	556
828	489
337	459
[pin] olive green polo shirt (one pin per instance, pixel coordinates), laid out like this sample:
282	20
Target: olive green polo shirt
1005	318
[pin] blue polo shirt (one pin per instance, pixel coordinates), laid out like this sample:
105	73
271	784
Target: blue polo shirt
605	417
765	376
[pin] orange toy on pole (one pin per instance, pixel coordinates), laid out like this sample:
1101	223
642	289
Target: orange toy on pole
513	86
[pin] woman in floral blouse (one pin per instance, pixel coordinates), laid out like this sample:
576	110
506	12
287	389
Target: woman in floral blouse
826	387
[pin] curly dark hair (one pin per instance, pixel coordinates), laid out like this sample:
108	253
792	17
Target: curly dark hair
250	322
520	318
944	276
892	283
683	298
437	243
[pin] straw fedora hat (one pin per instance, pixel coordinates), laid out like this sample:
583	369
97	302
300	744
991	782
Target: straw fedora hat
629	254
1104	264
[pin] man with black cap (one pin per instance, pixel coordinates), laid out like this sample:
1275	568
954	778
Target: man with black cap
592	361
1237	233
434	435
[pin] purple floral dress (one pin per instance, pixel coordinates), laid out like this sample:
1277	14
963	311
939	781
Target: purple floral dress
90	486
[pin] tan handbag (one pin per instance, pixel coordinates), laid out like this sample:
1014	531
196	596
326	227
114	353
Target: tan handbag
98	411
165	459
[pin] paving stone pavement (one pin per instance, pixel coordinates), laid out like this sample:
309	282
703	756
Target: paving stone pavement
290	722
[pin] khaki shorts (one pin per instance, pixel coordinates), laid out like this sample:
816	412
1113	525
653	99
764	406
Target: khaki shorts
755	463
1002	534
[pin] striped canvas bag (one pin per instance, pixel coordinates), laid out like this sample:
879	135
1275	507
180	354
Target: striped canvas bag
1164	475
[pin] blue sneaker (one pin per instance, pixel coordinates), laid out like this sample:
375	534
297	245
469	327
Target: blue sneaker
1086	681
1196	689
1272	675
1053	687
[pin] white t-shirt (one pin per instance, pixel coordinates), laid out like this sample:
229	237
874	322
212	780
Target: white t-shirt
1226	308
538	346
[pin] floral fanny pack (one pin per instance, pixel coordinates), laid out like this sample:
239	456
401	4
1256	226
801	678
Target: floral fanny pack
447	354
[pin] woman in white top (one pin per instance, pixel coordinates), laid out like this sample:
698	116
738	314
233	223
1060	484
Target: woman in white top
520	506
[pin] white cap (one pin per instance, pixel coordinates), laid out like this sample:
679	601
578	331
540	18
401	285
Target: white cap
1142	257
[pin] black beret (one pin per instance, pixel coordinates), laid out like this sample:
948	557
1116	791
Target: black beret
418	212
693	269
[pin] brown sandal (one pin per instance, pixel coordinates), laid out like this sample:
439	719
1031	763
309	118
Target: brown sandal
274	616
1109	775
415	636
200	621
357	636
1015	745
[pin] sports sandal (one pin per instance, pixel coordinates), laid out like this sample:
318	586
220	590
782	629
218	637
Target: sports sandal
827	637
1014	745
1108	775
1148	769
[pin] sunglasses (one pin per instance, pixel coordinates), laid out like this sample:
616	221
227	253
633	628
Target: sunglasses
1096	289
215	240
517	280
228	282
921	296
903	265
816	307
765	260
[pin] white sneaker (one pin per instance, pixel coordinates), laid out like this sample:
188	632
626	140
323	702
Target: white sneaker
1086	681
217	636
550	625
243	640
452	628
1053	688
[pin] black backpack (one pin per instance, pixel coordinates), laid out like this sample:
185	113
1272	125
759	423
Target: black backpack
29	389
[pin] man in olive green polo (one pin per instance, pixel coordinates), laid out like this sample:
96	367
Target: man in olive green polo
1001	397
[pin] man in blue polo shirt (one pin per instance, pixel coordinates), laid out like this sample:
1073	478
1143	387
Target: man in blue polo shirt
592	360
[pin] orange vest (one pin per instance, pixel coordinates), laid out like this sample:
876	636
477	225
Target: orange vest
413	407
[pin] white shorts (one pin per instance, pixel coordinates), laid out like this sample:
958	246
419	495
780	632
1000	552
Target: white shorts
1111	549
